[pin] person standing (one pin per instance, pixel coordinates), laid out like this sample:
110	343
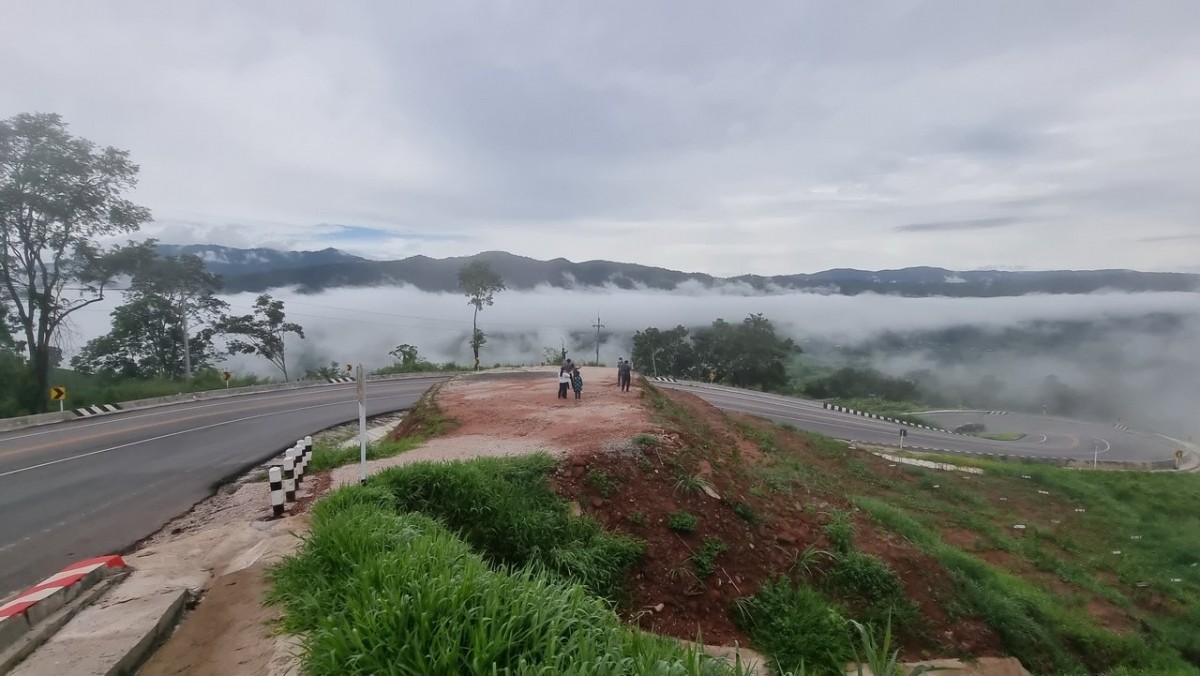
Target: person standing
620	365
564	381
577	382
625	374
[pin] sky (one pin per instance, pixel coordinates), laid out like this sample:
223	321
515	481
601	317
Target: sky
716	137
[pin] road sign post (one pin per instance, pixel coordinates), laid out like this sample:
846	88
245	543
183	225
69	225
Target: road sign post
58	393
903	433
225	376
362	426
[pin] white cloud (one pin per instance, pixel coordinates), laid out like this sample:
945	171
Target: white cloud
788	139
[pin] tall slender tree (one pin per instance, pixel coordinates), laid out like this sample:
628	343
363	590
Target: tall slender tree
261	333
480	285
59	195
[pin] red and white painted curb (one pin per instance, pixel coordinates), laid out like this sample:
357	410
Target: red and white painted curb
41	600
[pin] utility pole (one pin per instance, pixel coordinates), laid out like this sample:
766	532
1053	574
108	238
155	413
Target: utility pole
187	348
598	326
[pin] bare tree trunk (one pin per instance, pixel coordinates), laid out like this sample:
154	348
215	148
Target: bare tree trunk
475	336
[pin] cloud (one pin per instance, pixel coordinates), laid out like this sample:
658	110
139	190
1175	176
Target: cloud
944	226
774	141
1169	238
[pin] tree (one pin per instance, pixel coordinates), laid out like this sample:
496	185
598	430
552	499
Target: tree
407	354
58	195
152	333
479	283
666	352
261	333
146	341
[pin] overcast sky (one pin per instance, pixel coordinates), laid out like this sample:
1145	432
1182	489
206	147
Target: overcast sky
720	137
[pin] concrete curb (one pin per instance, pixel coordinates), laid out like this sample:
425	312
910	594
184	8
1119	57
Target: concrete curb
27	609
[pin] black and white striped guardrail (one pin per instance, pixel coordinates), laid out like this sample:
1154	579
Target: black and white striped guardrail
664	379
284	478
997	413
341	379
99	409
842	409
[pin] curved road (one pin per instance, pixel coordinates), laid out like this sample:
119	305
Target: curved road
80	488
91	486
1063	438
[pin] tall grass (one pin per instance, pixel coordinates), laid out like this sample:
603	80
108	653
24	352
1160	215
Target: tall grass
505	509
372	591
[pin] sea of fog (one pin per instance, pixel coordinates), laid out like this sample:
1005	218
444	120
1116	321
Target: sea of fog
1158	373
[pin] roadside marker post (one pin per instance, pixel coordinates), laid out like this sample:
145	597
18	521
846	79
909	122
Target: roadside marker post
362	425
903	433
302	456
297	465
289	478
58	393
275	474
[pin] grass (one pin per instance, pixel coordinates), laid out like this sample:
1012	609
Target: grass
505	509
376	591
797	627
424	421
87	390
1002	436
840	531
900	410
705	560
602	480
681	522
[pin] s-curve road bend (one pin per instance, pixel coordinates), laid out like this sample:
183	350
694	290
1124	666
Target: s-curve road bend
97	485
1044	437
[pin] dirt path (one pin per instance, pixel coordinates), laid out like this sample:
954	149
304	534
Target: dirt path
228	633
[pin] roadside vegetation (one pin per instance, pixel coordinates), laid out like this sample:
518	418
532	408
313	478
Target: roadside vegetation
466	568
424	420
900	410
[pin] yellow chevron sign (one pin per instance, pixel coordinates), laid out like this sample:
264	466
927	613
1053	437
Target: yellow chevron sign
58	393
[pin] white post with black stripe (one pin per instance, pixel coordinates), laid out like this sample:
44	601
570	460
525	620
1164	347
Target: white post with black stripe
298	463
275	474
302	451
289	477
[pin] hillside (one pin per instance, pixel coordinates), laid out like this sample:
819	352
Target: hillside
695	523
257	270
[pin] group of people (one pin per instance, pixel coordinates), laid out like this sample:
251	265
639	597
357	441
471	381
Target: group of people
570	378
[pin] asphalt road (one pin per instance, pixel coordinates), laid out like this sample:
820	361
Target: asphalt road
94	486
91	486
1044	437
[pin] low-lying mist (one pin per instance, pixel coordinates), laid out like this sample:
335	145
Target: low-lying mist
1147	373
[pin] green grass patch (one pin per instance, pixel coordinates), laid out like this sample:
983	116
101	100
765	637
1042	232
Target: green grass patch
373	591
681	522
840	531
1035	626
794	624
704	560
505	509
905	411
602	480
1002	436
423	421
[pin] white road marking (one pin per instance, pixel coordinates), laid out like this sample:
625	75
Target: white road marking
179	407
164	436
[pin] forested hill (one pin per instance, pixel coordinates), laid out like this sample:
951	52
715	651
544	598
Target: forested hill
314	271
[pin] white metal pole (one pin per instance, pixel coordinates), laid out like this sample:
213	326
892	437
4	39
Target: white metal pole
902	440
1095	454
362	426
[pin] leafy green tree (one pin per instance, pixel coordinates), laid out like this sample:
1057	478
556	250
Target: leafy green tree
261	333
750	354
480	284
165	328
146	341
407	355
664	352
59	195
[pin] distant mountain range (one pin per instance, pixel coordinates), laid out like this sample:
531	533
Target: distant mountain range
257	270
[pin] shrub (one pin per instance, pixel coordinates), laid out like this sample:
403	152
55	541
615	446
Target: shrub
375	592
797	627
840	531
705	560
682	522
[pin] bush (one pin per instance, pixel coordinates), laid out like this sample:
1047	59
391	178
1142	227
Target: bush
682	522
840	531
797	627
705	560
505	509
375	592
